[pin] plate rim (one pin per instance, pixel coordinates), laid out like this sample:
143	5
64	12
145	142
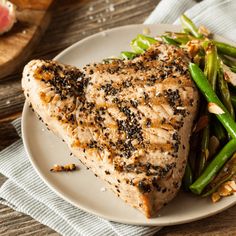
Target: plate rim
59	192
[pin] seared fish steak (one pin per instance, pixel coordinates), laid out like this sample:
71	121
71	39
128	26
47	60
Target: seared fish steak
129	121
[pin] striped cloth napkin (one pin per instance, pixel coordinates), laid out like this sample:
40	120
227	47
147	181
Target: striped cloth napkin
24	191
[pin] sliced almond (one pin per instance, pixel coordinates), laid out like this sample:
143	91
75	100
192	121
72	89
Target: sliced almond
215	197
225	190
201	123
215	109
193	47
232	184
229	75
203	30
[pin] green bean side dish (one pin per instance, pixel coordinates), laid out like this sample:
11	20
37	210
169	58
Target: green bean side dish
212	69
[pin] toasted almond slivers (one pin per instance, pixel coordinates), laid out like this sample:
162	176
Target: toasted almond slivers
201	123
215	197
232	184
203	30
229	75
193	47
215	109
225	190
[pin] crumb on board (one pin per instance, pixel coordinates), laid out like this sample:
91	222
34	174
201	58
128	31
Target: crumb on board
65	168
103	189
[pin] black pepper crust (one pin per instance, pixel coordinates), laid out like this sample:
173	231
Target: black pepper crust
64	82
130	124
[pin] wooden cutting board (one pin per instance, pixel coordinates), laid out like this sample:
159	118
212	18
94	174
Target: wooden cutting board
33	17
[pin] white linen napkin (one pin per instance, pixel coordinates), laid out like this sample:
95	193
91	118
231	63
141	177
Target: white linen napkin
26	192
217	15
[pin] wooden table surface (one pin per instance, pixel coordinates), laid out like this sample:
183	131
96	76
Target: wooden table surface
72	20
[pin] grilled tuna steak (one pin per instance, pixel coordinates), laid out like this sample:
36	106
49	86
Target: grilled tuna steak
128	121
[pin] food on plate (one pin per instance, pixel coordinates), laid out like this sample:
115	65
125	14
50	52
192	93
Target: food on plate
63	168
129	121
7	16
217	60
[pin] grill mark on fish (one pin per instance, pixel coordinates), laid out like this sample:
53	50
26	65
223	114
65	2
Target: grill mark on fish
130	126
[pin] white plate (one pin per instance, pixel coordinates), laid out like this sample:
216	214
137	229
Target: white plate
82	188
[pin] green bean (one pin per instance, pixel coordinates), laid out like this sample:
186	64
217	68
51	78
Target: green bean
233	100
177	34
211	64
226	49
169	40
211	73
188	177
226	174
227	61
137	46
146	39
224	92
182	40
206	89
219	131
213	168
189	26
141	43
128	55
192	157
204	149
233	69
232	89
214	189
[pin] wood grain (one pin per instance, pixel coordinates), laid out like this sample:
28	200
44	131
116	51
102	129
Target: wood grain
17	44
73	20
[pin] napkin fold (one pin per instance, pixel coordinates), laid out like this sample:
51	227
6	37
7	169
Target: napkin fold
24	191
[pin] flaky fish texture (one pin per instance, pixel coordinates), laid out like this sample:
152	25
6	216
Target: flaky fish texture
129	121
